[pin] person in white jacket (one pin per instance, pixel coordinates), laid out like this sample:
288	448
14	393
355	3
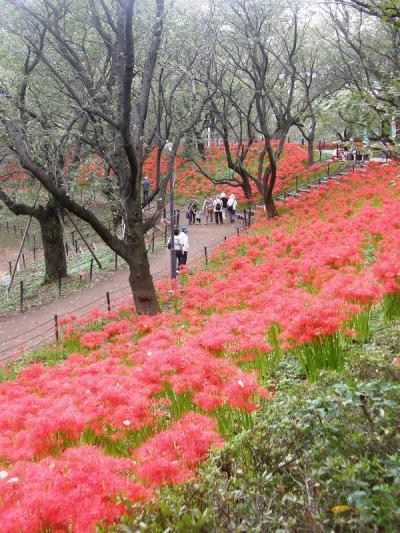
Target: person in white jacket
231	208
185	244
177	247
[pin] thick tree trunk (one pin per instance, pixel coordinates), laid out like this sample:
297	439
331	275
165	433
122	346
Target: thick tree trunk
246	187
53	245
268	189
141	281
271	208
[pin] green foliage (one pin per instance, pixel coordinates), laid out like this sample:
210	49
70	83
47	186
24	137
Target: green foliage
318	457
49	355
323	352
266	363
391	305
360	324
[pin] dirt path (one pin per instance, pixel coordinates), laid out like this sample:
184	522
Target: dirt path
30	329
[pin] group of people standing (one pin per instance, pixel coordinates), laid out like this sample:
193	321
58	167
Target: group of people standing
215	209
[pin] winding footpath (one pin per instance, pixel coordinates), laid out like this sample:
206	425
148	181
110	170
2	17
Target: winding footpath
22	332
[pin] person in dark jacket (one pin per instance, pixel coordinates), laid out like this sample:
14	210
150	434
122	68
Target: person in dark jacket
218	206
224	200
191	210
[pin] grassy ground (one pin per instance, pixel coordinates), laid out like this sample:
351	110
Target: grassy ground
321	456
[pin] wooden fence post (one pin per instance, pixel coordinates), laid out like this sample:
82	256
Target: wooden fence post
56	330
108	301
21	296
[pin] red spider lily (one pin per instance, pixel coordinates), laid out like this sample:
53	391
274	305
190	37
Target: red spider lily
298	279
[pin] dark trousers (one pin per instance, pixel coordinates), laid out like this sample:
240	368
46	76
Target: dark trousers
218	217
192	217
184	258
178	254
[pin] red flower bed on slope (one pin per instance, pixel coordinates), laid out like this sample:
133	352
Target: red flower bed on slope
191	182
147	397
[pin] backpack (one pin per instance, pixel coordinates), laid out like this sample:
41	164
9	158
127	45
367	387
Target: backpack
209	203
218	205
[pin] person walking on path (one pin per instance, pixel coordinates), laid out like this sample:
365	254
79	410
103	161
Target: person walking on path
218	210
231	207
178	247
208	208
224	200
191	210
185	244
146	189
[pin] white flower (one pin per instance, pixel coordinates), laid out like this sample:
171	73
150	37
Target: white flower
13	480
240	383
149	353
3	474
126	422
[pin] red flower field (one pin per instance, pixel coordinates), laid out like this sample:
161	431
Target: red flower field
191	182
141	401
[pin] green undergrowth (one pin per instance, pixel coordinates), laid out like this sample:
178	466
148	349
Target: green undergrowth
321	456
49	354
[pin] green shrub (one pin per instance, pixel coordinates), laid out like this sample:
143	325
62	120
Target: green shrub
321	456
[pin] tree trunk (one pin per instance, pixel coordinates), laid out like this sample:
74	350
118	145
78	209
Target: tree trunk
268	189
271	208
310	150
53	244
246	187
140	279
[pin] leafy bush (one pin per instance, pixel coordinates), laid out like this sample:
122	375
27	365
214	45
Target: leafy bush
321	457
